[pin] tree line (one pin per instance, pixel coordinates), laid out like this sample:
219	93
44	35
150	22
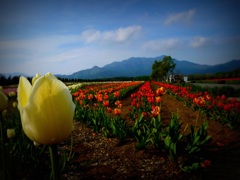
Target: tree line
231	74
6	81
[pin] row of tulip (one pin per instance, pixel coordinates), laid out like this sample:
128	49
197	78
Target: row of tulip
147	128
150	131
145	111
93	107
220	108
145	101
95	102
106	91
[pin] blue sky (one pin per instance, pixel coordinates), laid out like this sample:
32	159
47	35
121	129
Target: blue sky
63	37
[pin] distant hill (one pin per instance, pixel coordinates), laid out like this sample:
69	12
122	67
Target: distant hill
225	67
141	66
132	67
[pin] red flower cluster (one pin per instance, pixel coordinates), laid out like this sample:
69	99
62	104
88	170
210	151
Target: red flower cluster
117	111
200	101
206	163
155	111
204	100
160	91
98	95
146	102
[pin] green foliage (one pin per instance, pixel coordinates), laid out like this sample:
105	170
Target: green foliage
197	139
98	119
18	151
161	69
217	91
157	131
156	70
173	136
194	166
231	74
8	81
119	128
141	132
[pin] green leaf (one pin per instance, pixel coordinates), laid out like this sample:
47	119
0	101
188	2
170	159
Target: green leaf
194	149
206	140
173	148
167	141
196	140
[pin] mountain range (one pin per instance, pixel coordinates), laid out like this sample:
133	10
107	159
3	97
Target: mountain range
142	66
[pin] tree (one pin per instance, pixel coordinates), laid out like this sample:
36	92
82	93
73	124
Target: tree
162	69
156	70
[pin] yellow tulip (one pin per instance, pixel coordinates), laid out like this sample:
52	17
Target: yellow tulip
35	78
46	109
3	101
15	104
11	94
10	133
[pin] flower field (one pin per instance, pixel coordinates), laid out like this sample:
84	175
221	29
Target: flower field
218	108
131	130
222	80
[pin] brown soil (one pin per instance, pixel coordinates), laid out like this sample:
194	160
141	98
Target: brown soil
97	157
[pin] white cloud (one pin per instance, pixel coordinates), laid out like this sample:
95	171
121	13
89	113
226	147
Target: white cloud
180	17
163	44
198	41
43	54
90	35
118	35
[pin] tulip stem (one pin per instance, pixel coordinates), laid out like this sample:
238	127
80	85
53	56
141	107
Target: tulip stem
2	147
55	174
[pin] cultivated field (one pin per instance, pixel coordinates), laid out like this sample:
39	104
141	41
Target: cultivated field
134	130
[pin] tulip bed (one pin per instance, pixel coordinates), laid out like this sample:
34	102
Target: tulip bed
128	120
219	108
96	103
93	101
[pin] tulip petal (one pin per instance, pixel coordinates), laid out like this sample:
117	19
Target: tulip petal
35	78
49	114
24	90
